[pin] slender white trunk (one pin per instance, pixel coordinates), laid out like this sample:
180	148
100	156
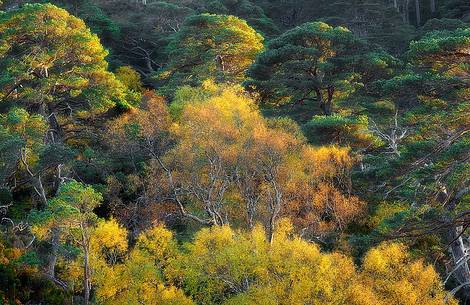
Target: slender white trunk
459	251
406	12
433	6
418	12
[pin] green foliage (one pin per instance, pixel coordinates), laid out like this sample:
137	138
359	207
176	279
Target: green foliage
441	52
93	15
331	142
130	78
244	9
347	131
313	61
455	9
52	62
443	24
208	46
19	132
69	210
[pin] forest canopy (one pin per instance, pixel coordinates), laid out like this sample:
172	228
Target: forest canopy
235	152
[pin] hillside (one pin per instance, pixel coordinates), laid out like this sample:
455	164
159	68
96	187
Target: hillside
235	152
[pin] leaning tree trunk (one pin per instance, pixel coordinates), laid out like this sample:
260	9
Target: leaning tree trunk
460	252
459	248
86	279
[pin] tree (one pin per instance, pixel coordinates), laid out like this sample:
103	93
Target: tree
53	65
340	130
145	31
135	139
457	9
431	168
230	165
208	46
234	267
94	16
69	218
130	78
312	62
206	155
413	281
136	277
27	160
288	14
22	137
244	9
377	21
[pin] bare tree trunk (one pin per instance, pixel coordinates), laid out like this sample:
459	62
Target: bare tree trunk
251	211
85	244
460	252
433	7
418	12
39	188
274	209
272	227
86	270
395	5
406	12
459	248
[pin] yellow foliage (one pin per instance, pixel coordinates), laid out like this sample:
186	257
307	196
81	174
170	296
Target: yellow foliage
130	78
220	133
136	277
109	235
398	279
223	266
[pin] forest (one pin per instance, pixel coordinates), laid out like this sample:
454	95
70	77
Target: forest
235	152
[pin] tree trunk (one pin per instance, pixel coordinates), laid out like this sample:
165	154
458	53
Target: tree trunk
406	12
271	227
250	212
329	102
39	188
148	61
52	256
86	268
418	12
459	251
433	7
86	280
325	105
274	209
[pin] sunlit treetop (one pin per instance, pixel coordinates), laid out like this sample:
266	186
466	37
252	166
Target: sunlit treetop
130	78
446	52
234	267
50	62
219	47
